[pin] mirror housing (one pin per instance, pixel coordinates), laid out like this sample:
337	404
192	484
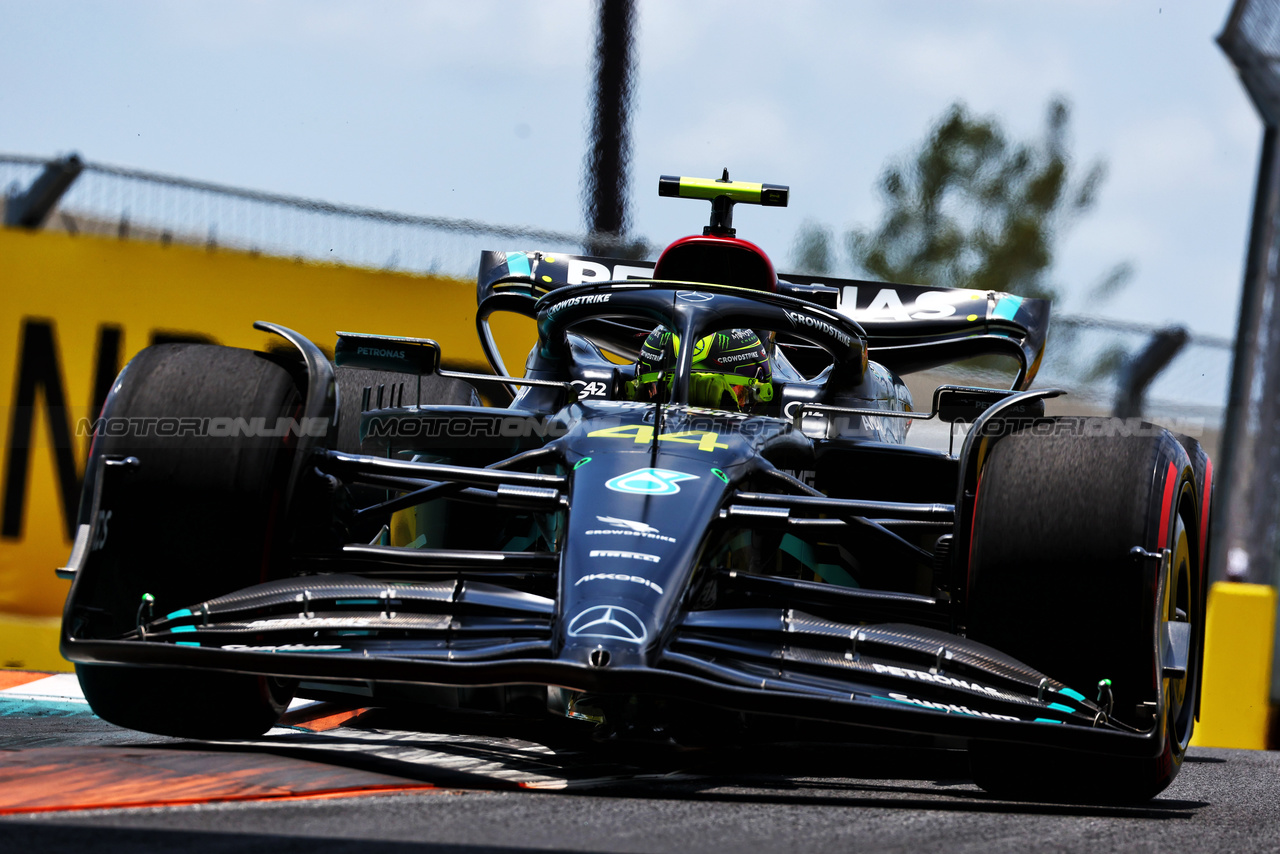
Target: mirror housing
387	353
963	404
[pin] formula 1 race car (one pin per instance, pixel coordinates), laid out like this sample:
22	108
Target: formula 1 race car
694	516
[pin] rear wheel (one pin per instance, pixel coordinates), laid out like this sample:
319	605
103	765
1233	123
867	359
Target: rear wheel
1054	581
201	513
388	389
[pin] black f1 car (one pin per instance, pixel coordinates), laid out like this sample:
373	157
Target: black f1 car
661	541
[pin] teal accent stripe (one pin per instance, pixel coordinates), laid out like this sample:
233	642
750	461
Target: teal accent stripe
181	612
798	549
1058	707
1047	721
803	552
1007	307
1075	695
177	629
518	264
836	575
355	602
187	643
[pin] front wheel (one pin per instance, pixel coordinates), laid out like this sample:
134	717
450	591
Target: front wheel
1065	575
185	703
197	517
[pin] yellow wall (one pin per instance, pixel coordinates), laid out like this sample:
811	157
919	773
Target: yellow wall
1235	708
75	286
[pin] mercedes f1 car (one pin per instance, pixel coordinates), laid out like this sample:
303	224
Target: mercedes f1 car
693	514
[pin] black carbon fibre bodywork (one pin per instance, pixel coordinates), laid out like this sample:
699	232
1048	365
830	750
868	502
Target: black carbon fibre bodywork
786	562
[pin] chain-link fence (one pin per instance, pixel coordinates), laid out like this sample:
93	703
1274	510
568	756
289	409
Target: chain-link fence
1085	355
132	203
1088	358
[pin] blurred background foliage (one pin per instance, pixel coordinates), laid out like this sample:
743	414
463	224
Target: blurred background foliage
971	208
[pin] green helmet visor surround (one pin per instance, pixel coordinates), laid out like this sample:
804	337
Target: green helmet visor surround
730	370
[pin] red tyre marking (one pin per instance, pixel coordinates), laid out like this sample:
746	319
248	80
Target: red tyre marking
1204	510
1170	479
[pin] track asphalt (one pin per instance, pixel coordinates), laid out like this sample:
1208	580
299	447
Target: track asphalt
348	780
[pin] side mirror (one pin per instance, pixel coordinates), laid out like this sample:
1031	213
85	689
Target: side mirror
387	353
962	404
419	356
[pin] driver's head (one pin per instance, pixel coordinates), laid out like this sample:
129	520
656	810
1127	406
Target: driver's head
730	370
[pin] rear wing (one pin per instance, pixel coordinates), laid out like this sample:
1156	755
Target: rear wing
909	327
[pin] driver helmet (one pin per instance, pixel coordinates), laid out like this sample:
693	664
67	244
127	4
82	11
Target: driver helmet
730	370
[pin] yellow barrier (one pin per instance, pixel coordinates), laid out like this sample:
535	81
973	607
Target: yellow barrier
31	643
74	309
1237	666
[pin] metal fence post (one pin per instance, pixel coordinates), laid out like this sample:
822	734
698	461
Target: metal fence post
29	209
1235	484
609	149
1140	369
1245	542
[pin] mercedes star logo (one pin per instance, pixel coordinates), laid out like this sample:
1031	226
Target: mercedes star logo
608	621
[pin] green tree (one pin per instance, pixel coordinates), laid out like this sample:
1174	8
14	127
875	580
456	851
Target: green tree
973	209
814	250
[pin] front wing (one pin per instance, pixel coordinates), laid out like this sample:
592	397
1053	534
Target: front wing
767	660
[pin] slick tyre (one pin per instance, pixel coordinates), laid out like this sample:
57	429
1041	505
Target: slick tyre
185	703
1055	581
392	389
200	516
